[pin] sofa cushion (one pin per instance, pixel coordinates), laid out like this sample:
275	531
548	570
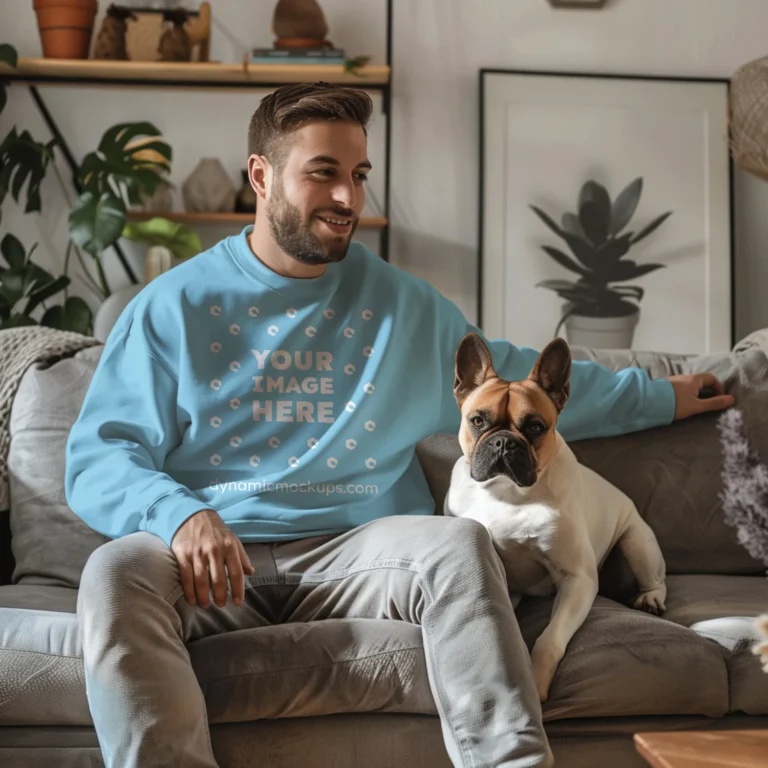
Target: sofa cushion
623	662
50	543
723	609
290	670
317	668
41	664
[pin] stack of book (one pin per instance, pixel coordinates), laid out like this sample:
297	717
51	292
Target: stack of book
297	56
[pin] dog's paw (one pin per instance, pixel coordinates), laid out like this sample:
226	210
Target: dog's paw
652	601
545	658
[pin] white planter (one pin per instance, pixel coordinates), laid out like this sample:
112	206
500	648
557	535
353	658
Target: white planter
602	332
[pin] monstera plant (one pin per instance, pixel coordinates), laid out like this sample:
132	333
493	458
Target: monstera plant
128	163
599	309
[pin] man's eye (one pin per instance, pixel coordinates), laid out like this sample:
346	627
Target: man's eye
324	171
362	177
477	421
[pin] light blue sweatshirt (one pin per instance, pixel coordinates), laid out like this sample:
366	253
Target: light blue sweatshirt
292	406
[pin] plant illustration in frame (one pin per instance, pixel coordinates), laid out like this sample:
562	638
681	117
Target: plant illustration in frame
599	309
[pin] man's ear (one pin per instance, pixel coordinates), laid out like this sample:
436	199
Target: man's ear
473	366
552	372
259	175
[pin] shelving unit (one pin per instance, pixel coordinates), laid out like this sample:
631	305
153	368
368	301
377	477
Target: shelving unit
202	76
186	74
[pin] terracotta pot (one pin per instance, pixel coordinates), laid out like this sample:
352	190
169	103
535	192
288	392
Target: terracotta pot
66	27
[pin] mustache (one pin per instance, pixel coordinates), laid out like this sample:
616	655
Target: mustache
344	213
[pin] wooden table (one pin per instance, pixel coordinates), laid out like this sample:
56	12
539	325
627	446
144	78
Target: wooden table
704	749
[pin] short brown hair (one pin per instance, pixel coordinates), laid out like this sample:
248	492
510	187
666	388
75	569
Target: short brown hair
287	107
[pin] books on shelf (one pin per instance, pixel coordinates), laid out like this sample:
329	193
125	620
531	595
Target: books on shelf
329	56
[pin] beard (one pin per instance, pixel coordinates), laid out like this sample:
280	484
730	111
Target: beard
295	237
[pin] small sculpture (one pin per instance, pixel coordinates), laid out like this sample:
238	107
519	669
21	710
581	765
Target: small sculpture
175	45
209	189
110	43
299	24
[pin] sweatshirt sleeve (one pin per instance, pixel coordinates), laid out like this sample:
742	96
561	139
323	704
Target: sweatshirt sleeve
601	403
116	448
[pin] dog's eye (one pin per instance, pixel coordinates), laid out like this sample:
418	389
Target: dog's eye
477	421
534	429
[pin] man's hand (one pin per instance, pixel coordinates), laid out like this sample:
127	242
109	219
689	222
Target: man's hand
687	400
204	546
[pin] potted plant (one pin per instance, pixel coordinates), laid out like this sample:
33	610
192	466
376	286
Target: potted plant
169	243
597	312
66	27
121	171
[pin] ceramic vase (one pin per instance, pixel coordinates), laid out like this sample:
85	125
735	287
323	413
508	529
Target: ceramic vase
209	189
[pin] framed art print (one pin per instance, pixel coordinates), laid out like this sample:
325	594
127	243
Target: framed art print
606	211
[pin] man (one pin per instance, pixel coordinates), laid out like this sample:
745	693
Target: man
252	422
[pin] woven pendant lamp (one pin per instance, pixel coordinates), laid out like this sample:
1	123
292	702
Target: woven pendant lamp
749	117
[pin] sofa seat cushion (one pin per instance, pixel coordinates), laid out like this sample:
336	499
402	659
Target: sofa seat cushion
723	609
623	662
316	668
291	670
41	660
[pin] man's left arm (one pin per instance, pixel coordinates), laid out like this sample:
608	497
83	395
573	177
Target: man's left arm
602	403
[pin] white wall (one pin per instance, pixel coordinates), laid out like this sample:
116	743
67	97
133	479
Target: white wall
439	46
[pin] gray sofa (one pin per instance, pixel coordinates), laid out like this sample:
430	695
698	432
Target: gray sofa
345	694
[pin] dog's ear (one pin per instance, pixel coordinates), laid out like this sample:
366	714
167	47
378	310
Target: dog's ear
473	366
552	372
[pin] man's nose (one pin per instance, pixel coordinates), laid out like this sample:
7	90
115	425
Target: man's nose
345	194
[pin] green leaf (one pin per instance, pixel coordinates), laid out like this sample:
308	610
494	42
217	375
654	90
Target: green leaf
16	321
572	225
612	250
12	287
75	315
96	223
625	205
46	291
8	55
655	224
563	260
21	159
597	194
628	270
547	220
582	250
121	159
13	252
182	241
594	223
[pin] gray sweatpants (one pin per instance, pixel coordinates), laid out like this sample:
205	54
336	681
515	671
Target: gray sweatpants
440	573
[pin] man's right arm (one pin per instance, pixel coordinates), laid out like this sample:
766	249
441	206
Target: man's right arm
116	448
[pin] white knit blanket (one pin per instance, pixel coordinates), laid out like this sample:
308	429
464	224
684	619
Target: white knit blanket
20	348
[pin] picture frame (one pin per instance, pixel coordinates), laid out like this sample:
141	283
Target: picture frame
582	4
606	211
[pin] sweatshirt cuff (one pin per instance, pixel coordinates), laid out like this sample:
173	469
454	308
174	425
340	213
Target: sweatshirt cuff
168	513
662	402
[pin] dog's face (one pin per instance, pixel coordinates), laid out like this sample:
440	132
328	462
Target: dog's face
508	427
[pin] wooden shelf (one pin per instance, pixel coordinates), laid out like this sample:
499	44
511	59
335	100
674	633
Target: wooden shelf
186	74
225	219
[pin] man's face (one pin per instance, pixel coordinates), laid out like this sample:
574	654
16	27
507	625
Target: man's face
314	204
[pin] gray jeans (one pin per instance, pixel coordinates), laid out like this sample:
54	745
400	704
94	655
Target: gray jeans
440	573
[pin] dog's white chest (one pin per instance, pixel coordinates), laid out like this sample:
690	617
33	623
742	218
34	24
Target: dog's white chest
526	536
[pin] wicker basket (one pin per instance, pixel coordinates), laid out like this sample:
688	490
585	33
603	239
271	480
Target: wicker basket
749	117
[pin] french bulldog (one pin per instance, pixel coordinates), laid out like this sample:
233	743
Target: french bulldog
553	521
